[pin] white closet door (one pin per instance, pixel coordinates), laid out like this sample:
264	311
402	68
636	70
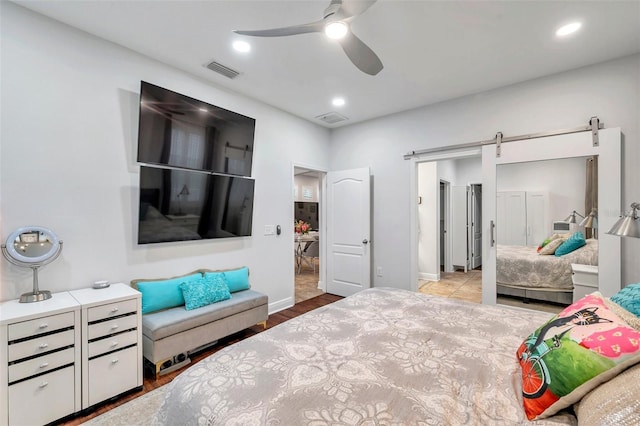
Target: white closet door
512	218
538	225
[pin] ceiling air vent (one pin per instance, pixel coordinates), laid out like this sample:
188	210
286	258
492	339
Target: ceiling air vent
221	69
331	117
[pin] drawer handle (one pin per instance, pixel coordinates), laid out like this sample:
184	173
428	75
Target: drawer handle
114	344
114	310
43	326
115	361
44	365
113	327
43	345
43	384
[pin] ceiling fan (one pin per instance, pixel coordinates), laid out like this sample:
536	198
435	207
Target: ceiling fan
335	24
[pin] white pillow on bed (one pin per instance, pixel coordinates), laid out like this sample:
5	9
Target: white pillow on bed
551	247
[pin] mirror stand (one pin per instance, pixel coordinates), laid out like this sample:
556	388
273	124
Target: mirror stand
32	258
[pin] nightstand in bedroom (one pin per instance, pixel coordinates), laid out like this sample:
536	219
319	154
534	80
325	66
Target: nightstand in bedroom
39	360
585	280
111	341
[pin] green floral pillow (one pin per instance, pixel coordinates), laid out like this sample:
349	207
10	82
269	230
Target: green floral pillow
583	346
204	291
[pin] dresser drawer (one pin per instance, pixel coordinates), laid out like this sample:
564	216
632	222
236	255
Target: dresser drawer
41	345
111	310
41	364
112	374
112	343
39	325
115	325
42	399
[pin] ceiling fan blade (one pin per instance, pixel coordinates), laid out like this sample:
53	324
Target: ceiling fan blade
351	8
360	54
312	27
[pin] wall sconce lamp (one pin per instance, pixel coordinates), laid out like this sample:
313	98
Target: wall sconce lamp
591	221
572	217
629	224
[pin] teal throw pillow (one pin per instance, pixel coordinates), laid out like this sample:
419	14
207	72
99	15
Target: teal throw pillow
163	294
237	279
204	291
574	242
629	298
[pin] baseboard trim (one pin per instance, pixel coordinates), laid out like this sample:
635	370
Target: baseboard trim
429	277
281	305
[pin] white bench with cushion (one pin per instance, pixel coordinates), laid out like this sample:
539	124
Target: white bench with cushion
183	314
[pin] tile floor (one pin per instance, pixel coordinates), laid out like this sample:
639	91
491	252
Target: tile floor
307	283
468	286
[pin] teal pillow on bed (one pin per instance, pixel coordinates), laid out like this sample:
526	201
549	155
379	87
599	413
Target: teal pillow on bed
205	291
163	294
574	242
237	279
629	298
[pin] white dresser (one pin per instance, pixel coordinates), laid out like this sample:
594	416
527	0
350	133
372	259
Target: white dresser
67	353
39	360
585	280
111	341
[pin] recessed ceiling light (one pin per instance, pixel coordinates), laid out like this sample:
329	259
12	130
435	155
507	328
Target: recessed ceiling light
336	30
338	102
241	46
203	109
568	29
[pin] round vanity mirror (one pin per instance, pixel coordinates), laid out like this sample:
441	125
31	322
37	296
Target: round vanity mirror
32	247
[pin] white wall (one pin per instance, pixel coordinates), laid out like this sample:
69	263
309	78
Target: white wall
302	182
609	90
69	105
468	171
428	238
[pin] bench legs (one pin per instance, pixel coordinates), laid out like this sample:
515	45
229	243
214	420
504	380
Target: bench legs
263	324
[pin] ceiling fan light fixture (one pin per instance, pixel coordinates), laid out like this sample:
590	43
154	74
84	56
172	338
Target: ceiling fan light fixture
241	46
336	30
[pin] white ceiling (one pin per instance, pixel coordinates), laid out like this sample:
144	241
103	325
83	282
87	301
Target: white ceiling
431	50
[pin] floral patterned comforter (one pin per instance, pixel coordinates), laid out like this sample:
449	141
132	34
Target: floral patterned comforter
381	356
523	267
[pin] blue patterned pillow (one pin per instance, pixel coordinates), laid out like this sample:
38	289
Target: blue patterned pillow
574	242
629	298
205	291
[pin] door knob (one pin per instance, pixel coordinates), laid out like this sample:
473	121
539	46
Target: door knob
365	241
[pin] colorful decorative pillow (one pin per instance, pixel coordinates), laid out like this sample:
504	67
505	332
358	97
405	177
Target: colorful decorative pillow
237	279
629	298
552	246
548	240
163	293
573	243
205	291
583	346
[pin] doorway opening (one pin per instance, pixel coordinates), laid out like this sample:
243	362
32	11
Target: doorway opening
448	224
308	216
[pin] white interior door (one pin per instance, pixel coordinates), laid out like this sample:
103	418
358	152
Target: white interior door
476	226
348	231
459	226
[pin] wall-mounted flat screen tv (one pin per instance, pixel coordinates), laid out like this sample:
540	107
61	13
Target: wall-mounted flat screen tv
178	131
180	205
